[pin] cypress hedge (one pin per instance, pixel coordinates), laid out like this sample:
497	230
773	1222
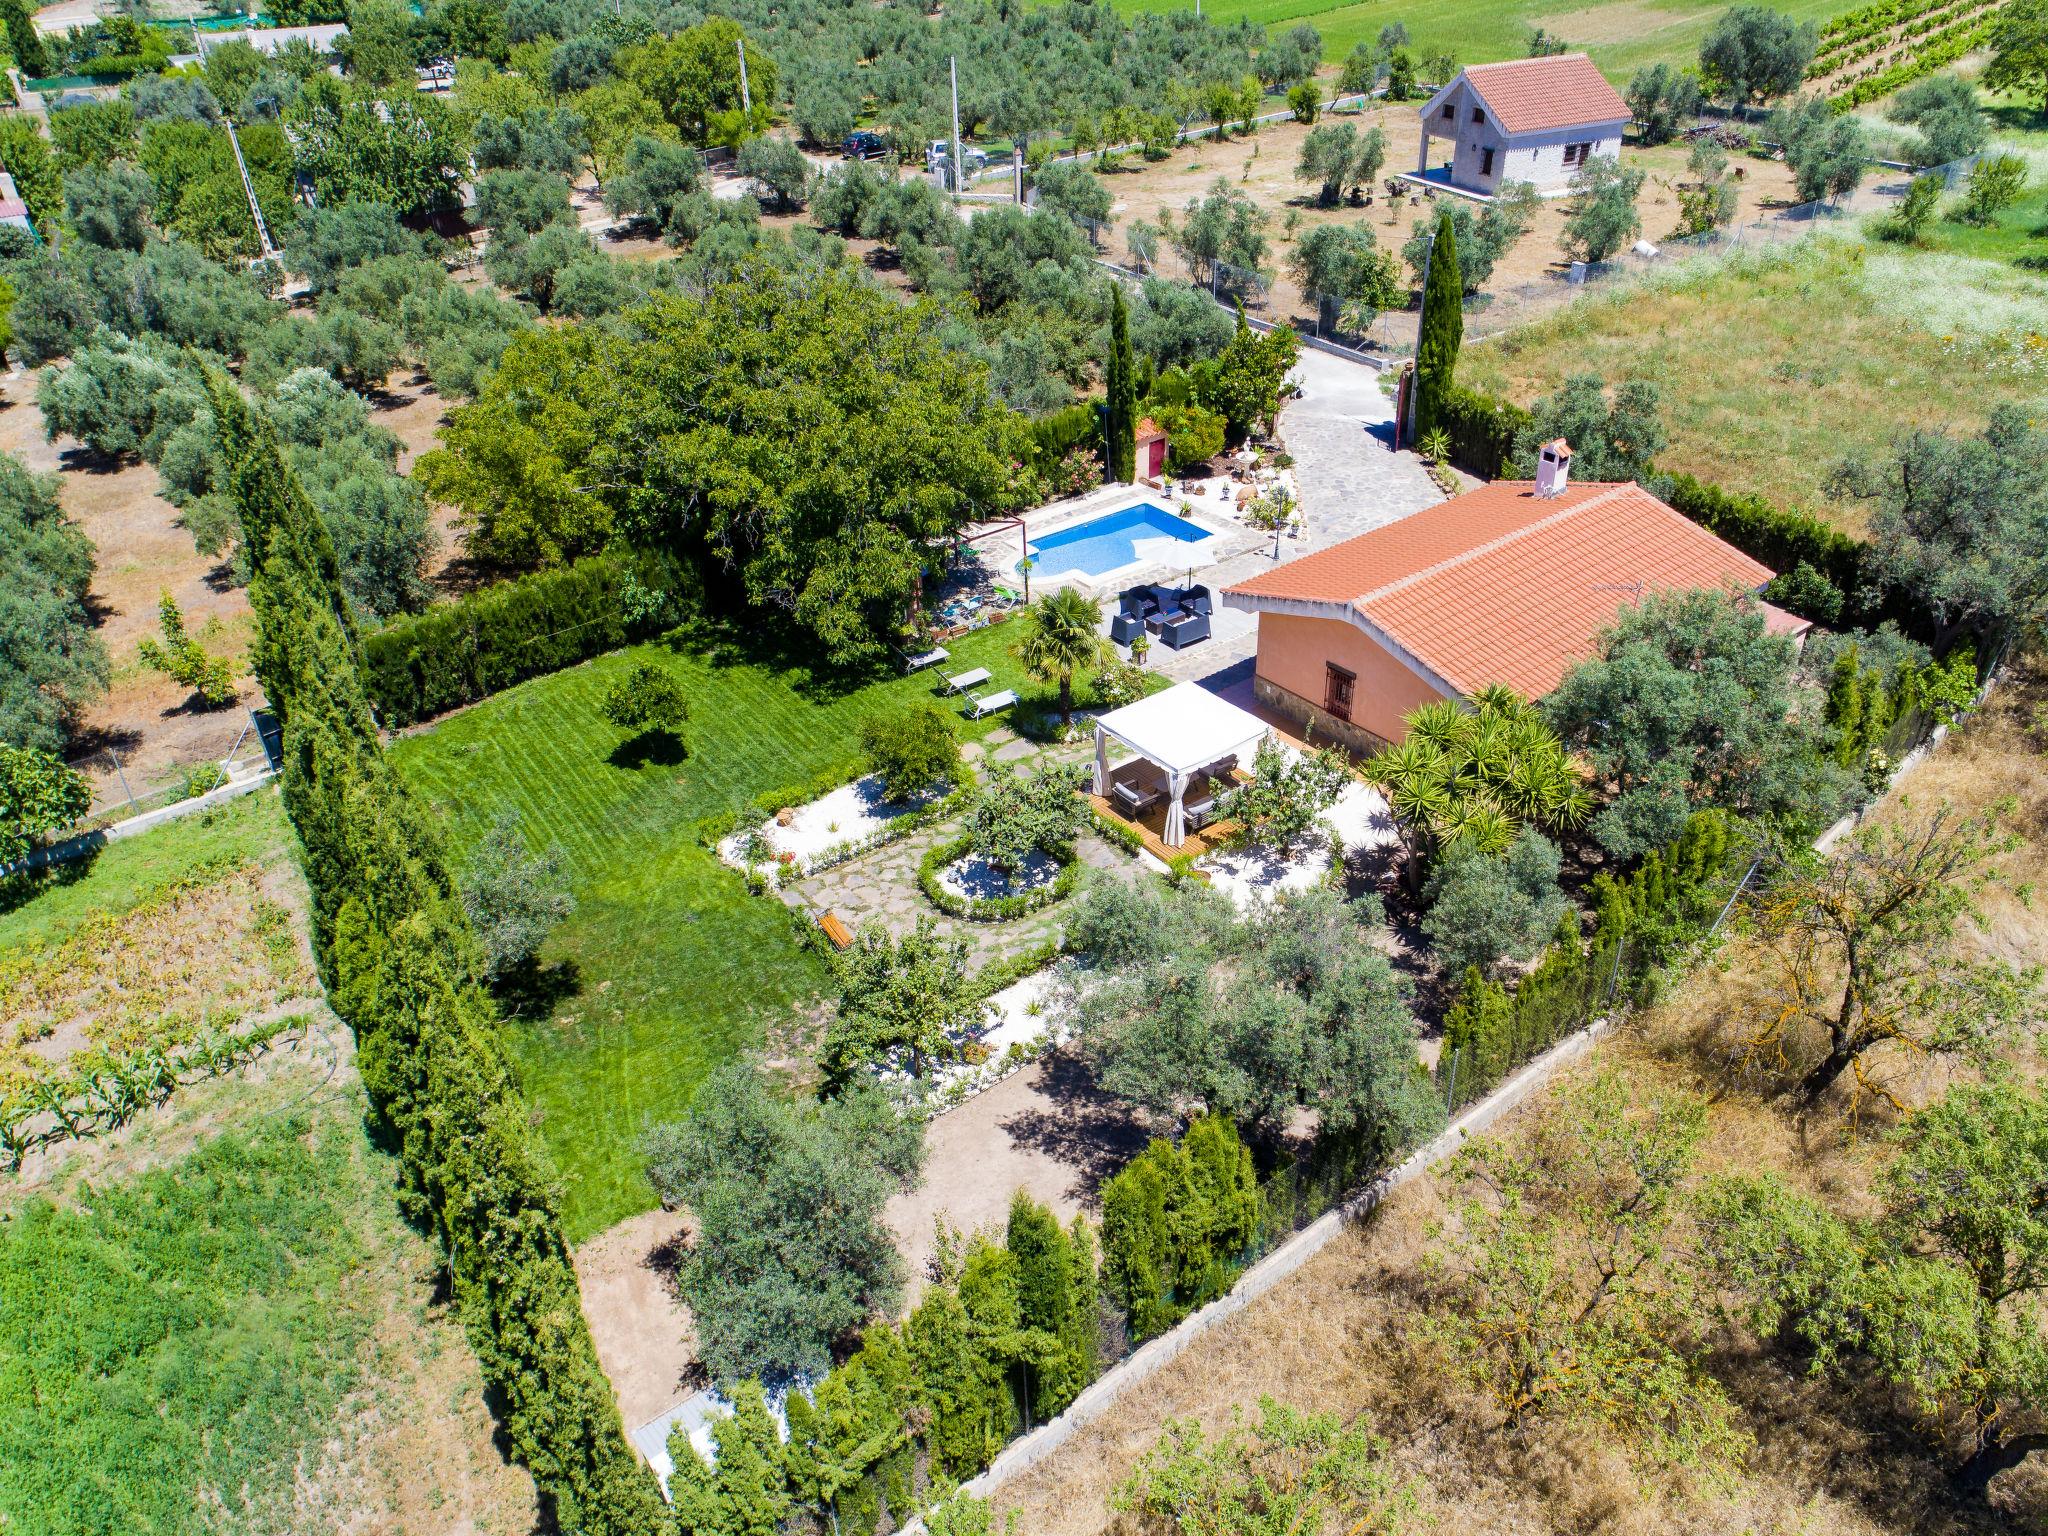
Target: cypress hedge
457	653
400	963
1177	1225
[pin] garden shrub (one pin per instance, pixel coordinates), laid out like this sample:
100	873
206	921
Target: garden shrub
992	909
1012	816
914	752
1482	430
1177	1223
457	653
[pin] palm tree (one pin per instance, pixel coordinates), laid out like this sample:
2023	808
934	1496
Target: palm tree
1060	639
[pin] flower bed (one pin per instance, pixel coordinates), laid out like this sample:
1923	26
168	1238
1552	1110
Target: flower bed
991	909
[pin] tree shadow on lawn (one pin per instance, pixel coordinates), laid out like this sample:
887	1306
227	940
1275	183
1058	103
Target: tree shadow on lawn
1087	1130
535	991
756	639
658	749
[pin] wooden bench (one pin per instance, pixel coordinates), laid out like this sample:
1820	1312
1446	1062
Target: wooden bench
836	930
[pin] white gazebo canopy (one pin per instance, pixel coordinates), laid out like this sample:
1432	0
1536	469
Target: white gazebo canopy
1184	729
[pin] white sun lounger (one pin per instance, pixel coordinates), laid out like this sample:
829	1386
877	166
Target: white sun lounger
930	658
963	681
989	704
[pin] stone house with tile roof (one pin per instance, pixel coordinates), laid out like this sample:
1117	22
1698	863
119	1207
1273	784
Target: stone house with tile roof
1533	120
1505	584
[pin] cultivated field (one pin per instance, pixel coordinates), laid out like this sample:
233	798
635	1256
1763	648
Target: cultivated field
266	1337
668	966
1621	35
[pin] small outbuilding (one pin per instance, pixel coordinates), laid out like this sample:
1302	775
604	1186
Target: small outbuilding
1151	443
1533	120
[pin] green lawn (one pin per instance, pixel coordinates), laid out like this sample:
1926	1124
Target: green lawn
123	875
1621	35
677	968
2021	230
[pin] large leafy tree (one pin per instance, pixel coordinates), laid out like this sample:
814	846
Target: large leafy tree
51	659
1755	54
1689	703
1870	959
1477	775
1602	215
1485	909
1940	1293
798	428
1962	522
1189	1008
694	76
790	1252
2019	50
405	153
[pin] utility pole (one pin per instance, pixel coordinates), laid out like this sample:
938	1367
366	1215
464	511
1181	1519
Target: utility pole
959	176
746	96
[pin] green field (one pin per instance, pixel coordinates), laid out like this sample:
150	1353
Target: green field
123	875
676	967
1622	36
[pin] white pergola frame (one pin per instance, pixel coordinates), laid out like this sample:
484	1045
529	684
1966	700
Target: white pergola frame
1182	730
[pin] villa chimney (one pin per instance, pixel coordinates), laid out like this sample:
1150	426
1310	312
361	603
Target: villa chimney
1553	467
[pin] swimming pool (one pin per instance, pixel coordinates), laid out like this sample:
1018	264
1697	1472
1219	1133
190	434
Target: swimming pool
1115	539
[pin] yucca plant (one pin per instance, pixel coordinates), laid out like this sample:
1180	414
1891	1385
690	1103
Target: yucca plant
1475	771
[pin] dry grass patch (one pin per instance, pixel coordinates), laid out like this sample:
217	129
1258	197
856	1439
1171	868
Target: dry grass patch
217	949
1773	365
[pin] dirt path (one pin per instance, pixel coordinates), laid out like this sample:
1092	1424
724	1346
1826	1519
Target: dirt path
1263	168
1048	1130
645	1337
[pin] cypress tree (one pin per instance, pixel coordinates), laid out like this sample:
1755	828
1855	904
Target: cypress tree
25	42
1120	420
400	963
1443	329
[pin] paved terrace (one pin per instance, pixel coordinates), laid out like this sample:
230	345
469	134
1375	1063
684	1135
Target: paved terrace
1351	481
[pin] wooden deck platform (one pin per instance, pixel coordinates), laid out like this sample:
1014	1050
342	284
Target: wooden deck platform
1151	829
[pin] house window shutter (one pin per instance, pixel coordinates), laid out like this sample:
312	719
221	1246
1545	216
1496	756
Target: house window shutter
1338	686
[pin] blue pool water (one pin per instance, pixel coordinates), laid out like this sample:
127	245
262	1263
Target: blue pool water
1107	542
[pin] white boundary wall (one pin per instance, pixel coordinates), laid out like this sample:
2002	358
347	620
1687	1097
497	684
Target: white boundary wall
1027	1451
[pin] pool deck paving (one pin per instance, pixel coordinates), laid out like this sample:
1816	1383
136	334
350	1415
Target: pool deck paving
1351	480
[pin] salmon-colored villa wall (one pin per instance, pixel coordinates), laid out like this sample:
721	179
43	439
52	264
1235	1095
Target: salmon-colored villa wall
1293	652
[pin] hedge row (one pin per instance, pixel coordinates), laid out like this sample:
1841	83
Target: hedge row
1639	923
1482	430
457	653
1178	1224
400	963
990	909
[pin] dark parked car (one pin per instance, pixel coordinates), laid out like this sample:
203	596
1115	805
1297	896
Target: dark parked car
864	144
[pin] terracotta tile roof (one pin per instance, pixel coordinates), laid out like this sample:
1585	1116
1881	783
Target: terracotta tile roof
1561	91
1501	586
1147	431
